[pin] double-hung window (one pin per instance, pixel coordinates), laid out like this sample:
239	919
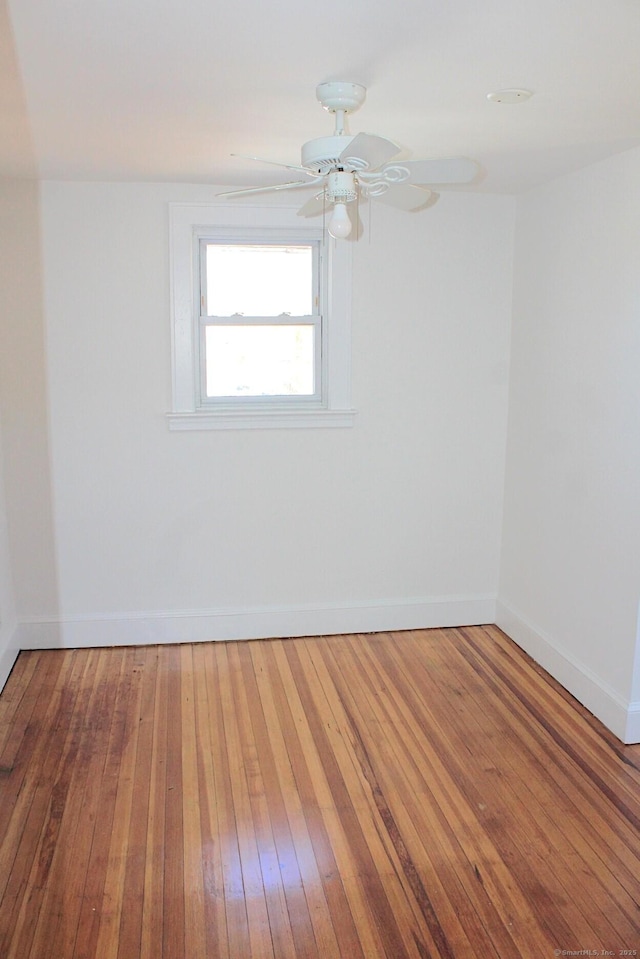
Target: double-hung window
260	320
261	332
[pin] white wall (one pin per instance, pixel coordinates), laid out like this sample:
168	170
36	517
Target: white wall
393	523
570	581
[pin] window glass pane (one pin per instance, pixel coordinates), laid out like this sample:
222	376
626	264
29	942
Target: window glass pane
259	280
259	360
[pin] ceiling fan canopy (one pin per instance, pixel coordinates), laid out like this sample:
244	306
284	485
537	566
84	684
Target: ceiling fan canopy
348	167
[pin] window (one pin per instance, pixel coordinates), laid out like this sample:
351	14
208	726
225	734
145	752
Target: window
260	320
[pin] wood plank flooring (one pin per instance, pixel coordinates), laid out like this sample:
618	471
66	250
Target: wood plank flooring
415	794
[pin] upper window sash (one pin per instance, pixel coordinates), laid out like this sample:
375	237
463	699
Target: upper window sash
317	293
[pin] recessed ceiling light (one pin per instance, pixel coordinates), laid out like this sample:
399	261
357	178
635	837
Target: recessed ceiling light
509	96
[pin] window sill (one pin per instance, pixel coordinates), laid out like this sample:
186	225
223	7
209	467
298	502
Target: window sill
262	420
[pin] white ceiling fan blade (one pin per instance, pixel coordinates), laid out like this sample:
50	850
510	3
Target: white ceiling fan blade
405	196
315	206
284	166
372	150
295	184
441	171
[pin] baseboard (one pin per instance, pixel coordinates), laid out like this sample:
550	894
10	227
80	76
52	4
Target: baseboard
618	715
633	724
192	626
9	650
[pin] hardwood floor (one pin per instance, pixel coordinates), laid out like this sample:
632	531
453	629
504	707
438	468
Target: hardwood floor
414	794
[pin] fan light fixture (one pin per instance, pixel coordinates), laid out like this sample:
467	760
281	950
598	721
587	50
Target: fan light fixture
340	190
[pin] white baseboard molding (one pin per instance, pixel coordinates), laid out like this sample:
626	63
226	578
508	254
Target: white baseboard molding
618	715
633	724
9	650
192	626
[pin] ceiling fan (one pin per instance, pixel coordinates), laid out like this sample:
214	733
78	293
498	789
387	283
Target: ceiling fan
347	167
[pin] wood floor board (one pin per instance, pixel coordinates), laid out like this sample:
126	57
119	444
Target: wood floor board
429	794
557	815
221	810
446	814
364	888
100	908
34	821
418	799
443	765
367	852
407	821
65	886
17	704
294	843
563	782
311	793
214	913
152	912
490	769
195	933
26	742
250	879
135	854
541	843
367	741
539	699
59	826
286	908
284	847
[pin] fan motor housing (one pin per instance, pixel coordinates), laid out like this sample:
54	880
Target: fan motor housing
322	155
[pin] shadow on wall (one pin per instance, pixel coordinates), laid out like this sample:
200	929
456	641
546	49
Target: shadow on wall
26	460
29	591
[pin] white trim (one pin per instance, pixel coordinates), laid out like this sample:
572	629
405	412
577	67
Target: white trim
203	625
10	649
632	732
262	419
618	715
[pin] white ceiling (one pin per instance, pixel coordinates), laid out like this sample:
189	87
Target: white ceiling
168	89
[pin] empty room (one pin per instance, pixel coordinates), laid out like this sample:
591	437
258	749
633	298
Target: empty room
319	480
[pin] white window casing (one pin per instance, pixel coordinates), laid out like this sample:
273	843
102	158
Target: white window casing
238	222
